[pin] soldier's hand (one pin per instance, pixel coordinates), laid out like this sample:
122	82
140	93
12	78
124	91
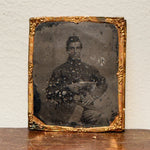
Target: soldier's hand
87	100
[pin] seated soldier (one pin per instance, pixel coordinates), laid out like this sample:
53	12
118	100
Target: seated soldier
73	87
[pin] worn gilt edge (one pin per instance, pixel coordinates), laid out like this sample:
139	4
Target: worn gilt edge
34	22
36	124
120	23
30	120
30	72
121	74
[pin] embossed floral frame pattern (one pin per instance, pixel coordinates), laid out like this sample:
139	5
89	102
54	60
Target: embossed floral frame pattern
119	122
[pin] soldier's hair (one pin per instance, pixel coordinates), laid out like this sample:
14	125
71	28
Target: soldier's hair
72	39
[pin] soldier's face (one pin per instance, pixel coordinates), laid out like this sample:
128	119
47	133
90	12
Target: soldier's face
74	50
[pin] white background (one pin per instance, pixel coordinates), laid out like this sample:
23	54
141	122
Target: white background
14	30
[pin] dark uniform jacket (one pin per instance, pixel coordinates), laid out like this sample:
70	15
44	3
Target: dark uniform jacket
58	91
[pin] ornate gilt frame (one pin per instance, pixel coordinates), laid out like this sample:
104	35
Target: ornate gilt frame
119	122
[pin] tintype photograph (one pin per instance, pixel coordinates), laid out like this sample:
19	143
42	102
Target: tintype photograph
74	73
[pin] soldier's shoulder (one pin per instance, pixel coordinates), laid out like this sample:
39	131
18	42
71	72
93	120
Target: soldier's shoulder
60	67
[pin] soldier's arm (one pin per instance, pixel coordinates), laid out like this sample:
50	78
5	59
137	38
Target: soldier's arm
57	89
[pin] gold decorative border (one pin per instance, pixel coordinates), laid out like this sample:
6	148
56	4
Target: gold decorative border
119	122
